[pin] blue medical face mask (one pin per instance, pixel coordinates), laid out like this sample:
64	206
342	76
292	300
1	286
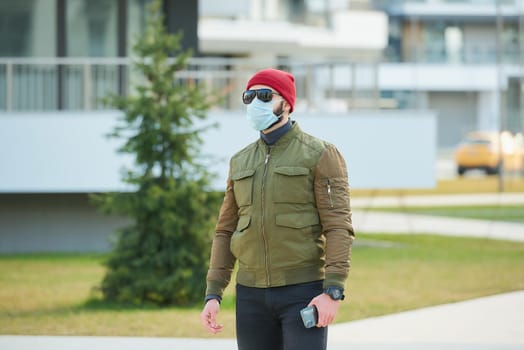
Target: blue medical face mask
260	114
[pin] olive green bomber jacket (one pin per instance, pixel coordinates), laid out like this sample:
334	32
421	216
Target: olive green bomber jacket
286	216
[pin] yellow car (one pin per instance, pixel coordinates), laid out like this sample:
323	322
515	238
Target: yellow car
485	151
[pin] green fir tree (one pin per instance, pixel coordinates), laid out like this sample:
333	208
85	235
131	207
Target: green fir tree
162	257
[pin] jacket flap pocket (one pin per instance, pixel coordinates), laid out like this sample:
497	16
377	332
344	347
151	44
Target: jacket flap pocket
242	174
292	170
297	220
243	222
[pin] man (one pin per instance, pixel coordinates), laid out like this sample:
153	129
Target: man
286	219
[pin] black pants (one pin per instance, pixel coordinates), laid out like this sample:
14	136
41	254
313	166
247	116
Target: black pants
269	318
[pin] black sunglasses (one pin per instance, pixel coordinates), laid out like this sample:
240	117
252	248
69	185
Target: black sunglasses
264	95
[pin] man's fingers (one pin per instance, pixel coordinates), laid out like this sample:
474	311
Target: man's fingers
212	325
213	320
205	317
208	319
217	328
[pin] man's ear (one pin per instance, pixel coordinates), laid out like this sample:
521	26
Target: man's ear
286	106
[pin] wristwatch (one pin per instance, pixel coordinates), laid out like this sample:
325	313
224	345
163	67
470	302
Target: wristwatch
335	293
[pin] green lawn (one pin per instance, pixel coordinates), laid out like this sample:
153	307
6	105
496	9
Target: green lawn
48	294
514	213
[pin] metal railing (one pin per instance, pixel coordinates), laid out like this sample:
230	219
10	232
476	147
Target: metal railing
55	83
384	4
471	55
46	84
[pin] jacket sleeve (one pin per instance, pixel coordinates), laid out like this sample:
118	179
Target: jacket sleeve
333	205
222	261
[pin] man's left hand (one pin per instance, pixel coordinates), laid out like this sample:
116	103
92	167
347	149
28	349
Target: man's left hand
327	309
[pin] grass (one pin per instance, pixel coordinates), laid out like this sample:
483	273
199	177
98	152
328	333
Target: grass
511	213
485	184
49	294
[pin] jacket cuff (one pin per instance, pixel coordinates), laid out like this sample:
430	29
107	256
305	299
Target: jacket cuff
213	296
334	280
214	288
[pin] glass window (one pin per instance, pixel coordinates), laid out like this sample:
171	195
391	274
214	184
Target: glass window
28	28
454	44
220	9
400	99
92	28
394	48
434	42
510	42
136	21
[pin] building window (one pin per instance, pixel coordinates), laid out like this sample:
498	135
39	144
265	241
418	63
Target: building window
27	28
454	44
434	49
136	21
399	99
394	48
92	28
510	42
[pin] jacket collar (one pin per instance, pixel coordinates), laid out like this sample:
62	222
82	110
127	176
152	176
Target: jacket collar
272	137
286	138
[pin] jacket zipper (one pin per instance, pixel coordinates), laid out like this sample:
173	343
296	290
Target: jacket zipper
329	194
264	238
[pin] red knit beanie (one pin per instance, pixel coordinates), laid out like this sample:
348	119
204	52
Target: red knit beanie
282	82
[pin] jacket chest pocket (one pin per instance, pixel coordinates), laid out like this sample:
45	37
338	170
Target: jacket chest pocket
243	186
292	185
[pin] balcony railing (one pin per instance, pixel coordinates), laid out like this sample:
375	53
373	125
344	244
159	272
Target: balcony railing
54	84
472	55
391	4
47	84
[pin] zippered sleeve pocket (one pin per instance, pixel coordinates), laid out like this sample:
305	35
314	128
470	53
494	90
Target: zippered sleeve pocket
332	193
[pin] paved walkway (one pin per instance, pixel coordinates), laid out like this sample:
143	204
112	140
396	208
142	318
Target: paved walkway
369	221
372	221
438	200
495	322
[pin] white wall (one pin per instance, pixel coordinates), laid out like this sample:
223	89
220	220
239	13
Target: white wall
439	77
54	222
53	152
68	152
488	110
457	115
218	36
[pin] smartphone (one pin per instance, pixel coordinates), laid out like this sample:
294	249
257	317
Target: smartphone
309	316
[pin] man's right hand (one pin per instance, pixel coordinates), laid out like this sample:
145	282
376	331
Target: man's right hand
209	316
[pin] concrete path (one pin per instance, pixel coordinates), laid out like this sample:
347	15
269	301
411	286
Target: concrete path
112	343
438	200
495	322
370	221
373	221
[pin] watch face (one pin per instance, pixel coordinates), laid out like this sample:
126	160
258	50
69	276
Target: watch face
335	293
